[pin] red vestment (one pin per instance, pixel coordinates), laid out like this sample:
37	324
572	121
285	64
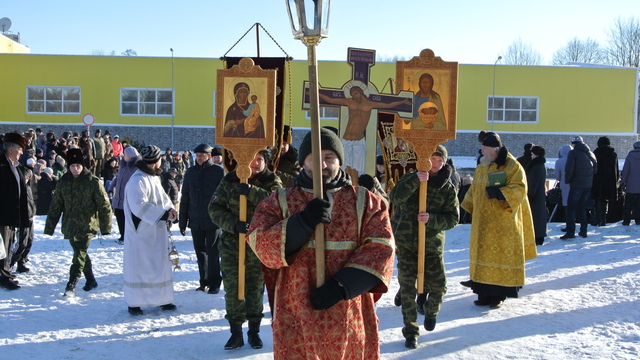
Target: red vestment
359	236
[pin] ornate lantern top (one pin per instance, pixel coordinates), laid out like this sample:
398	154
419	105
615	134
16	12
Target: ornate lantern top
309	18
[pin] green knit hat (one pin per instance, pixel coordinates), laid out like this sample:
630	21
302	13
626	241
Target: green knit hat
329	141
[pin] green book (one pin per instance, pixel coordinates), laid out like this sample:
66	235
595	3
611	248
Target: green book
497	179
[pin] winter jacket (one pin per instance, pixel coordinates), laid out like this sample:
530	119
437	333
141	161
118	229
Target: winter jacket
288	167
442	206
581	166
98	144
170	187
180	167
200	182
117	148
127	168
630	176
58	170
224	208
83	204
14	209
46	187
605	181
560	173
536	179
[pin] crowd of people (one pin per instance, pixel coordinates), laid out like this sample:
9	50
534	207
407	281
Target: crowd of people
89	180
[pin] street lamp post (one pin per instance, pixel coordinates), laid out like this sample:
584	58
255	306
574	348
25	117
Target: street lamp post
493	95
173	100
310	30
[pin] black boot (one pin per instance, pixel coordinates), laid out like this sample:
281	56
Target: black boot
91	282
252	335
235	341
70	290
397	301
420	300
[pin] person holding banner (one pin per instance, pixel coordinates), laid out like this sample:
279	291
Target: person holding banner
441	215
338	319
224	210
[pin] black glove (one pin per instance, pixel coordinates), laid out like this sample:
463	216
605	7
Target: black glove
366	180
327	295
183	232
316	212
494	193
241	227
243	189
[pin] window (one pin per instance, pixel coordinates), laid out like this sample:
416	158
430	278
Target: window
513	108
53	100
327	113
146	102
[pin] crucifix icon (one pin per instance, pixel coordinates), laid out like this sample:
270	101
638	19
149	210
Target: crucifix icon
359	102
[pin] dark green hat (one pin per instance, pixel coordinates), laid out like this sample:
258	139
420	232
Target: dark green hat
328	140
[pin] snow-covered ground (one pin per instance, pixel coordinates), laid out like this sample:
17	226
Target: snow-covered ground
581	301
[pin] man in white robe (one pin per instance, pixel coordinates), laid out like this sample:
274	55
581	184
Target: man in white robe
147	270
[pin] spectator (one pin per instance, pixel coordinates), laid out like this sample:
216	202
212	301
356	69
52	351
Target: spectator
580	167
605	182
536	192
630	179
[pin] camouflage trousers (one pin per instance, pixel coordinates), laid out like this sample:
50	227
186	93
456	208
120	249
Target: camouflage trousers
435	286
239	311
81	262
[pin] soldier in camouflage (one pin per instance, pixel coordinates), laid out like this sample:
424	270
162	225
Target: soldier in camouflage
441	215
224	210
85	208
287	166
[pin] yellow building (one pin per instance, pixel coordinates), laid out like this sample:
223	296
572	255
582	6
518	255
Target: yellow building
133	96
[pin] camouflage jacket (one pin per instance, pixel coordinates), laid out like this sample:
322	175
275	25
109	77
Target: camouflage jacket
83	204
442	206
224	207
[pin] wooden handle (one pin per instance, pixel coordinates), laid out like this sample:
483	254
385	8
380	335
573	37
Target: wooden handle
242	248
422	232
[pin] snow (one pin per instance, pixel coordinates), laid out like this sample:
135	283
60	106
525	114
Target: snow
582	300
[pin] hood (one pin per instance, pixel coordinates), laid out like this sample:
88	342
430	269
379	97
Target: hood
564	151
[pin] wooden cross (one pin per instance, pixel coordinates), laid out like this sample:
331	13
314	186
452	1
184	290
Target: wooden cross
359	102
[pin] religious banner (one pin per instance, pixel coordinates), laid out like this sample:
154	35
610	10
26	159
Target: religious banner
283	95
245	108
359	102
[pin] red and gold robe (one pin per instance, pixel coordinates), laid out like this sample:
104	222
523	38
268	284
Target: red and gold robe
359	236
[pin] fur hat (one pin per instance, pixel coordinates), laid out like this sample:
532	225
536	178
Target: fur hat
538	150
150	154
203	148
216	151
576	139
16	138
492	140
604	141
74	156
442	152
328	140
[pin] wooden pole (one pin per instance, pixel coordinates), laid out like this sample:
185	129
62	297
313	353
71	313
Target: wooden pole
422	235
242	245
316	150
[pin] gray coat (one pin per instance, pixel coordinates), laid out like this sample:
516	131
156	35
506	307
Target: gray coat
560	173
581	166
630	175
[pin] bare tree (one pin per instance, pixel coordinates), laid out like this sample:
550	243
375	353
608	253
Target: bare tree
97	52
583	51
624	42
129	52
522	53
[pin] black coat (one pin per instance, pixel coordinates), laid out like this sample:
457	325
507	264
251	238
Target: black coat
536	178
605	181
170	187
15	205
200	182
580	167
46	186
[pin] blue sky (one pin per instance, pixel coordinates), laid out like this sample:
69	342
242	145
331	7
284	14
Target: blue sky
470	32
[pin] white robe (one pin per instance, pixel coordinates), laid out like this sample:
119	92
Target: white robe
147	270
